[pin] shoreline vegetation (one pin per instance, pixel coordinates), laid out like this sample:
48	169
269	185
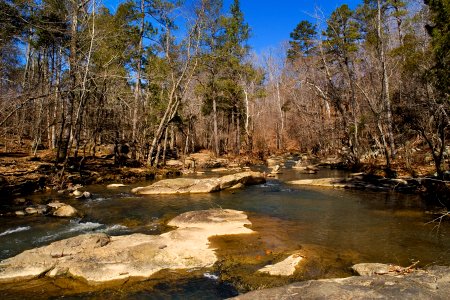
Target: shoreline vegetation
22	175
369	86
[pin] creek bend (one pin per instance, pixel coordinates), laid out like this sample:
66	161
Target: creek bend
337	228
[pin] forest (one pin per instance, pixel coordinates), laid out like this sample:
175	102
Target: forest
170	77
150	149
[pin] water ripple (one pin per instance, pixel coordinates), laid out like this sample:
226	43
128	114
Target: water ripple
18	229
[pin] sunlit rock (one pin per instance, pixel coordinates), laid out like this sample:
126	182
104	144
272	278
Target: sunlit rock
432	283
65	211
197	186
115	185
368	269
286	267
98	258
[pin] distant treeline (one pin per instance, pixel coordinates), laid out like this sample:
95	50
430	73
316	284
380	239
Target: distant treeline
163	75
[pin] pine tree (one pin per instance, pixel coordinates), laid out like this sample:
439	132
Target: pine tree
223	64
302	40
342	36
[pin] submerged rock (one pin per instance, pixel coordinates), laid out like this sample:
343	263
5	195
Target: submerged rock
197	186
98	258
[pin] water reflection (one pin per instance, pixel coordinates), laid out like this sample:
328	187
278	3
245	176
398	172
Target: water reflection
358	226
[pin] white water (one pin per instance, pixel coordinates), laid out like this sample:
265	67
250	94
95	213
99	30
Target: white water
88	226
211	276
18	229
79	227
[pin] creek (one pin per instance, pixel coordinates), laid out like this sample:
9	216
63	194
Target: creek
343	227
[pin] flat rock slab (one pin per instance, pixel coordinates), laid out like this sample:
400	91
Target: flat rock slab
198	186
433	283
361	182
99	258
286	267
115	185
325	182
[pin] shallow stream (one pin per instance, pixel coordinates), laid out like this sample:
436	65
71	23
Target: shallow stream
341	227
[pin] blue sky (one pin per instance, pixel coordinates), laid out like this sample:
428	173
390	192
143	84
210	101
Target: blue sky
272	21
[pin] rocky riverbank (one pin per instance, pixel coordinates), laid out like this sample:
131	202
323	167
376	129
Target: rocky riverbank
430	283
21	174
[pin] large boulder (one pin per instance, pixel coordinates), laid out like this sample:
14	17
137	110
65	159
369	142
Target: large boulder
196	186
98	258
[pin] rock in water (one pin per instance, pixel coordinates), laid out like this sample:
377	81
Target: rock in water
197	186
31	210
65	211
432	283
115	185
55	204
283	268
174	163
84	195
98	258
77	193
276	170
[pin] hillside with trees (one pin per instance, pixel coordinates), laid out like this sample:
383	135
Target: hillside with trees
163	77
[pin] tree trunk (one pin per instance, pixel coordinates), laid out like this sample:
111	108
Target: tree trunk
355	143
238	134
280	107
73	83
165	146
216	135
137	89
385	88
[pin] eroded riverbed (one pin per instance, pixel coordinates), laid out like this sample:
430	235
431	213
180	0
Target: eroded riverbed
332	228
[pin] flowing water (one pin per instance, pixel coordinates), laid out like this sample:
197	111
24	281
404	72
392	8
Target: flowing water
342	227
